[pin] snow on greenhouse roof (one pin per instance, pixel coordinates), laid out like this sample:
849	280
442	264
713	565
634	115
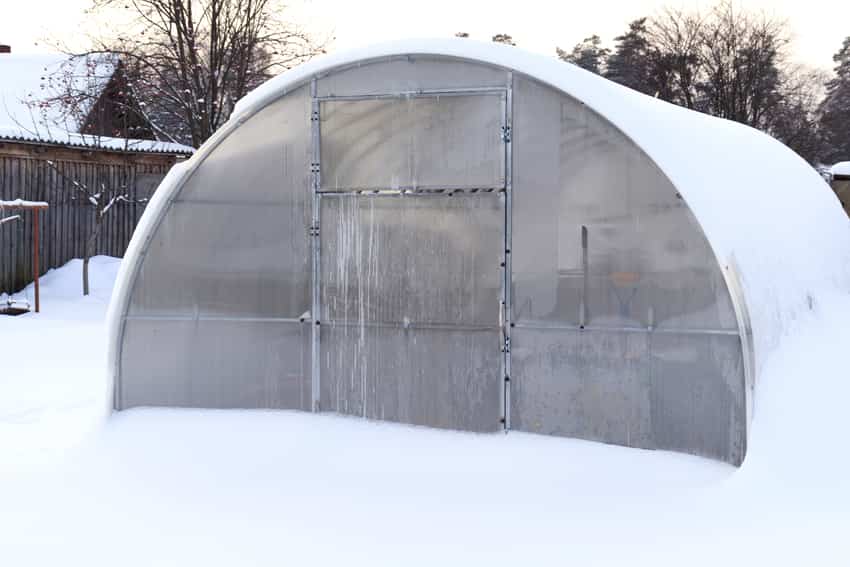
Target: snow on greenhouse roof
841	169
28	81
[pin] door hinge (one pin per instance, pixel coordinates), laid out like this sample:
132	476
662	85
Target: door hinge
506	134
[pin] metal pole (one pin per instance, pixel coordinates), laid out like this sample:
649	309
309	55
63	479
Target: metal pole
508	234
315	243
35	257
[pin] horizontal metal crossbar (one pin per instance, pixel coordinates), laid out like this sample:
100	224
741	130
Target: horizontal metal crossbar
412	191
558	326
412	325
419	93
213	318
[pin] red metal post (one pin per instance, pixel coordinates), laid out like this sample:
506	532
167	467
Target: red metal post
35	267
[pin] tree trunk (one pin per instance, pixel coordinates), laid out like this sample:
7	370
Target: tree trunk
89	251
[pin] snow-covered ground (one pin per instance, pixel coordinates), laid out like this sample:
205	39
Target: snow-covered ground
192	487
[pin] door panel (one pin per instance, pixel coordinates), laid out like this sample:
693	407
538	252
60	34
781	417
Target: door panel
410	295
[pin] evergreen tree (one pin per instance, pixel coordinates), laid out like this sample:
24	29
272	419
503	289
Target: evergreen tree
589	54
503	38
835	109
634	63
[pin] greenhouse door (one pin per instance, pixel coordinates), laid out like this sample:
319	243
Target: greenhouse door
409	267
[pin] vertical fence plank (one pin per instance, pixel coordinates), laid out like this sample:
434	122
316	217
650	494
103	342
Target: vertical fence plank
66	225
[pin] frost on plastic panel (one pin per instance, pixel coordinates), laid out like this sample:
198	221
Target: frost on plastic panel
433	259
410	73
422	142
410	289
600	235
679	392
215	364
697	395
589	384
424	376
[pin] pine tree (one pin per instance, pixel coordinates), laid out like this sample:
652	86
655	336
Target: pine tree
633	60
503	38
835	109
589	54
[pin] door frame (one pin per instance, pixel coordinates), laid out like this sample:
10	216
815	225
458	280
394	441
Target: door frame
505	307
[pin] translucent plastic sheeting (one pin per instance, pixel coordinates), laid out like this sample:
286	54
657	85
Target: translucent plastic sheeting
641	389
600	235
237	260
625	330
412	259
215	364
236	240
410	294
447	378
421	142
266	160
410	73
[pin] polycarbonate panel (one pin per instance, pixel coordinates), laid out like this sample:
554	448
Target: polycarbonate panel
412	259
588	384
236	240
410	292
421	142
600	236
697	395
411	73
215	364
657	390
227	260
266	159
436	377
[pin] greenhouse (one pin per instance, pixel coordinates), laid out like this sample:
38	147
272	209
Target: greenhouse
473	237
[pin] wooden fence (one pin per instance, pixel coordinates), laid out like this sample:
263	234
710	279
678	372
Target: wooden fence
67	224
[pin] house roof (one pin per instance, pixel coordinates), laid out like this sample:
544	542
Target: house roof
27	82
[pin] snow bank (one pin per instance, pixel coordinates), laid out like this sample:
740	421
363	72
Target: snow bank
208	487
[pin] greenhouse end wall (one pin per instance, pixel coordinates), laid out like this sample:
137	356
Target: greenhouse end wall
437	241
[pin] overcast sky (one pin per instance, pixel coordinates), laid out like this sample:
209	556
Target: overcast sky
819	26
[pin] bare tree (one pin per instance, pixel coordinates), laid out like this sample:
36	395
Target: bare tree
185	63
740	55
677	40
101	200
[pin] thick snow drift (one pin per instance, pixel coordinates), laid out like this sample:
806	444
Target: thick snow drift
205	487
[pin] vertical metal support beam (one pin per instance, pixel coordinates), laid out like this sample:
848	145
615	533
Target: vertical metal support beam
585	278
507	304
315	242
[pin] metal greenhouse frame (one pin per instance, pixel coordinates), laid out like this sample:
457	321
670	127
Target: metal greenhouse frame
462	236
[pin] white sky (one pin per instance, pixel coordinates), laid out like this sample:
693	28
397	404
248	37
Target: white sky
819	26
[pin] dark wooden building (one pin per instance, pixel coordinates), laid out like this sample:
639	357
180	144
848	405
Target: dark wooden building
62	154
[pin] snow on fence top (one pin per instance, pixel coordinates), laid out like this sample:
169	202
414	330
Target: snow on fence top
776	227
841	169
23	204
